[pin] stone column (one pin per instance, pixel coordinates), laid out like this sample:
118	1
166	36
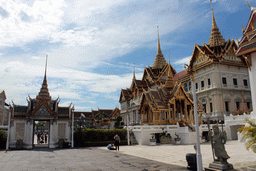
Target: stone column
253	83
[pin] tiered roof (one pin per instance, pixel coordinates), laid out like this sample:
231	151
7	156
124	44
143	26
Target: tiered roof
247	44
159	97
218	50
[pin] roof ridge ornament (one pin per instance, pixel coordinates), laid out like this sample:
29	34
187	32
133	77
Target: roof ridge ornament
248	4
134	78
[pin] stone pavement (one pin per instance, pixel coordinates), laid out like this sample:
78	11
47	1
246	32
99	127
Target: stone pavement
88	159
176	154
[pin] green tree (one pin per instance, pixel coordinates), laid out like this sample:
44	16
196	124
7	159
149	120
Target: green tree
3	138
249	133
118	120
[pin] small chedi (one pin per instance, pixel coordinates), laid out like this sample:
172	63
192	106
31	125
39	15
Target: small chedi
218	140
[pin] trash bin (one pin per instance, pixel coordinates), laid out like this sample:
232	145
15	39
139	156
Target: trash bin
191	159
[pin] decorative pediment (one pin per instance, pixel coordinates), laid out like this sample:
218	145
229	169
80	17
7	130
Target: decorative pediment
42	111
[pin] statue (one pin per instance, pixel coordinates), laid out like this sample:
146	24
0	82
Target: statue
218	139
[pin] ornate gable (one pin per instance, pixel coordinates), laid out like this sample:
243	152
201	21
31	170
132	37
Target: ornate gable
42	111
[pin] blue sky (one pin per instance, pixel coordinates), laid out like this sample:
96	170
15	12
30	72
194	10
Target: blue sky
92	45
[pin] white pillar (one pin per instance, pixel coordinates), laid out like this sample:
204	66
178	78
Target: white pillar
72	144
198	150
8	133
252	74
128	135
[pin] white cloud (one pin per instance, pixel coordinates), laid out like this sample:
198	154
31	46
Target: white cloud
182	61
26	24
26	78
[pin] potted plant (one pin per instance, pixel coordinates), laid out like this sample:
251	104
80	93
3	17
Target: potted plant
166	139
177	139
19	144
61	143
153	139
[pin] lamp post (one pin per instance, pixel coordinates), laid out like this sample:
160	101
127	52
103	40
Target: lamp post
8	132
198	150
72	144
128	135
80	126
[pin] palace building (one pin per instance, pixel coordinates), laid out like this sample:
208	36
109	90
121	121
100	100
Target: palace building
42	108
222	85
221	77
163	97
156	99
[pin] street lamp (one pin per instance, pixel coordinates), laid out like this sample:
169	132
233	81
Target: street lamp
198	150
81	121
8	133
191	72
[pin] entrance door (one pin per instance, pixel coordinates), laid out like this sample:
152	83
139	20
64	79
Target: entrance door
233	130
41	134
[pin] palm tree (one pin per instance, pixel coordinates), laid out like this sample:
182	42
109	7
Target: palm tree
249	133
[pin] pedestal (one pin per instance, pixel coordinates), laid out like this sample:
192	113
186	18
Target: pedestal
221	166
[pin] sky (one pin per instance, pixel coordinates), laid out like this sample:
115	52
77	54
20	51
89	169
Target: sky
93	46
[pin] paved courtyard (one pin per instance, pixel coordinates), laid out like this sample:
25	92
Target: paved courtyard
175	154
135	158
91	159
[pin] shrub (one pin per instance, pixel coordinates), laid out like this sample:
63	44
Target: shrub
3	138
249	133
86	135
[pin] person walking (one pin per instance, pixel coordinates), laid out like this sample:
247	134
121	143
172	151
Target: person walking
117	141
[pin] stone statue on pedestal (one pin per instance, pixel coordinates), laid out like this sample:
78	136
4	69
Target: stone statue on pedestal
218	139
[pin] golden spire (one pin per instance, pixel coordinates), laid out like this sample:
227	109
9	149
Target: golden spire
45	80
216	38
44	93
134	78
158	47
214	25
169	81
159	62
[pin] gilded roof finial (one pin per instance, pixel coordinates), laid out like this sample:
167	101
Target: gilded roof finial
169	64
169	57
214	25
134	78
158	48
45	81
248	4
169	81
